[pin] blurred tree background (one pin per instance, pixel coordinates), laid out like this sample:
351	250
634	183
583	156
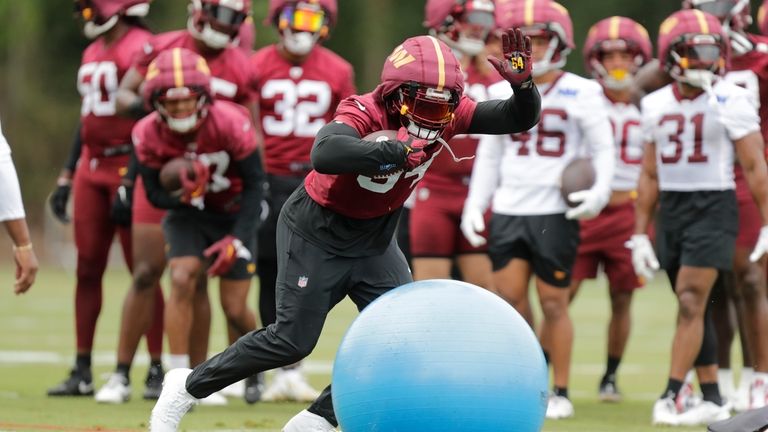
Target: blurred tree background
40	48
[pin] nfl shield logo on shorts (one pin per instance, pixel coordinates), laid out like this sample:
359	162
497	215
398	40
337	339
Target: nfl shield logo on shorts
303	281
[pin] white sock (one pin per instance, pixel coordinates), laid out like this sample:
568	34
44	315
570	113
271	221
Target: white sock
760	376
178	361
745	380
725	381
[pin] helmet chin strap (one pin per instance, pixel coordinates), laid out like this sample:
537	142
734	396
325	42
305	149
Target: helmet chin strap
92	30
546	65
210	37
739	43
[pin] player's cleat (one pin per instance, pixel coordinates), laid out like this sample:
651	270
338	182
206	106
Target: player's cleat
234	390
609	392
173	403
79	383
153	384
289	385
254	387
214	399
758	393
305	421
704	413
115	391
559	407
665	412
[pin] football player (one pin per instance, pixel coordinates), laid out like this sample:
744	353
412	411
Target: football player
520	174
118	33
12	216
212	28
748	68
614	50
216	213
299	83
693	130
335	234
436	239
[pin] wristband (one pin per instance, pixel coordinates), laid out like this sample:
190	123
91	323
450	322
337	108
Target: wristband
26	247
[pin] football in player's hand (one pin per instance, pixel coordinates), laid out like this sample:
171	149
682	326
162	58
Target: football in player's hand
578	175
383	135
170	173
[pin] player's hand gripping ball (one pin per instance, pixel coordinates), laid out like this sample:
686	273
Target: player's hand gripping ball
187	177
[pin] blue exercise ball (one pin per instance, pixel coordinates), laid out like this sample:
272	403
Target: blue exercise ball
440	355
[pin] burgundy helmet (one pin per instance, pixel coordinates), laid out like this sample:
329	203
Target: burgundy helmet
102	15
462	24
178	73
302	23
422	82
217	22
693	47
540	18
276	7
615	34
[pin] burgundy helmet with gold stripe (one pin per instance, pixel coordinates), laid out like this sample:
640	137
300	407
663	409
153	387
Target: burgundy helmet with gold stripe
692	43
422	82
543	18
616	33
175	74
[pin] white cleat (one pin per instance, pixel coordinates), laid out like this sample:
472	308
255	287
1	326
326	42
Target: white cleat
704	413
665	412
305	421
559	407
758	393
173	403
234	390
115	391
214	399
289	385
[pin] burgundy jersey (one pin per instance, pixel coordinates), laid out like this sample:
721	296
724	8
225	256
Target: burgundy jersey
750	70
225	136
445	174
230	73
295	102
102	68
362	197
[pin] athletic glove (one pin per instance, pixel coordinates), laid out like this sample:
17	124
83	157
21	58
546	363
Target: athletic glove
643	258
59	198
516	65
122	206
761	247
228	250
473	223
414	149
193	191
592	203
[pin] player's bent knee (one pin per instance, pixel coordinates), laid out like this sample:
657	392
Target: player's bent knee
554	309
146	276
690	305
753	284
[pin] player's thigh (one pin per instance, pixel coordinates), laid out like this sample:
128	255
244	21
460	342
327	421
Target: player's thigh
432	226
554	242
93	227
554	299
373	276
233	295
476	269
280	188
431	268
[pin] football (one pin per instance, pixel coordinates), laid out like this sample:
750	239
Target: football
382	135
578	175
170	173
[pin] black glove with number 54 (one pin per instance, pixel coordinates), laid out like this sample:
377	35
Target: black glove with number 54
516	65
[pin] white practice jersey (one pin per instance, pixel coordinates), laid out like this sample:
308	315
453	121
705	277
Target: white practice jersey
694	137
521	173
11	206
5	149
628	142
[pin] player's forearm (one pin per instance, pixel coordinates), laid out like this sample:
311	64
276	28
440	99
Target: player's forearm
485	172
603	158
757	180
515	114
250	203
74	153
647	196
18	231
131	171
339	150
156	195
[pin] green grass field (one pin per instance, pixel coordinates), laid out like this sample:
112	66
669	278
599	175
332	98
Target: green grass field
37	342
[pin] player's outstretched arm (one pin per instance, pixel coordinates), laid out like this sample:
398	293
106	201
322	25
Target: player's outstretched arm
749	151
252	174
60	195
338	149
12	215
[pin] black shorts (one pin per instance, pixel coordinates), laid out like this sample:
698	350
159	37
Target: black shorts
190	232
548	242
697	229
280	188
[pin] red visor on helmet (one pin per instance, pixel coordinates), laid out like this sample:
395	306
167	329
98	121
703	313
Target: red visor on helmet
427	107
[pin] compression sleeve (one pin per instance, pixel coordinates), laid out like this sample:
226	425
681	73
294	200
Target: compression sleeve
338	149
74	151
250	203
156	195
516	114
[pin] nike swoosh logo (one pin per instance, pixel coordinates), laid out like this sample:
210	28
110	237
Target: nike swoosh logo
84	387
359	105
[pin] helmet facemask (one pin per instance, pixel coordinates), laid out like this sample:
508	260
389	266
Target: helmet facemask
183	120
214	24
424	111
301	26
466	30
696	60
616	78
557	50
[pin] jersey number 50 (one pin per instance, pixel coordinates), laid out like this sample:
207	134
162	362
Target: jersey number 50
97	84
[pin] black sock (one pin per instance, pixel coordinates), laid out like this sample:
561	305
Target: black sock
124	369
83	362
546	356
157	363
561	391
673	388
610	370
711	393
